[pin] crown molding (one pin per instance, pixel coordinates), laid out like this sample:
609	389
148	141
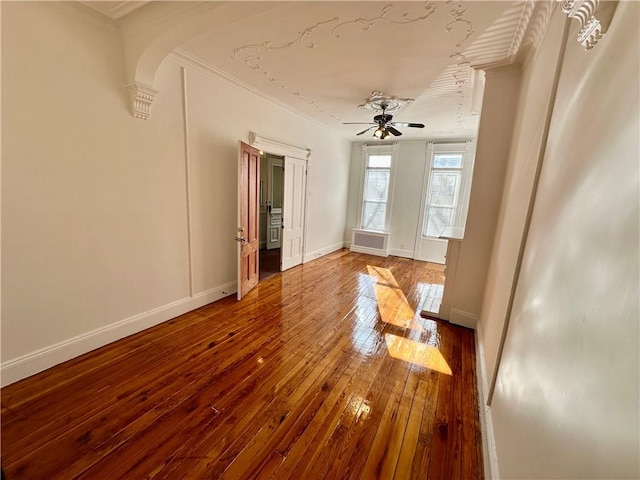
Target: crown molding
186	59
114	10
594	17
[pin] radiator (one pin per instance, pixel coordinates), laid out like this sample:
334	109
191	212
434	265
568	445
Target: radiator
374	243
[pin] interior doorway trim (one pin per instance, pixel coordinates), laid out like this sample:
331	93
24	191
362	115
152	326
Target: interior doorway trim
278	148
275	147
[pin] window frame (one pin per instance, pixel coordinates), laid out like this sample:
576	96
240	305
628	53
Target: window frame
461	200
368	150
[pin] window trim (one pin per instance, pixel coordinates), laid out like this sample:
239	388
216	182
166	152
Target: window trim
462	194
367	150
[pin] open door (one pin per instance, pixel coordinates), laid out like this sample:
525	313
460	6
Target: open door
295	185
248	215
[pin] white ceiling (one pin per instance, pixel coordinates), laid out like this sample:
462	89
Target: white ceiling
326	58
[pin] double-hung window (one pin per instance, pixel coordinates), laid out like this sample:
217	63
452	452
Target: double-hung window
377	188
447	192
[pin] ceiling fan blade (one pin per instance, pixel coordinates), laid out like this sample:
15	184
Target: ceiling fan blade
397	133
365	130
404	124
359	123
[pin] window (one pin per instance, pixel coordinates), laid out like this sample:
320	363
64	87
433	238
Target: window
447	192
377	181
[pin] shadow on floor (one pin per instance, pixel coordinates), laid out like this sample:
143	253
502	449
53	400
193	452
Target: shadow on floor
269	262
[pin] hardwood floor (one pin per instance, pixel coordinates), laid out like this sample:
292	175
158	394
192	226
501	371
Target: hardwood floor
324	371
269	262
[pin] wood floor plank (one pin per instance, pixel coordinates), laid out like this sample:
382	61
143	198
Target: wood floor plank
323	371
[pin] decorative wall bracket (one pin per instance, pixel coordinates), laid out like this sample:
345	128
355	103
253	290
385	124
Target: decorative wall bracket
141	98
377	101
592	27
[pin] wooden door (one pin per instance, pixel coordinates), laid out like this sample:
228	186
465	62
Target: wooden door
248	216
295	187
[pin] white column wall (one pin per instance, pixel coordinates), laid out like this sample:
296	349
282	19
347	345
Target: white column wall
566	403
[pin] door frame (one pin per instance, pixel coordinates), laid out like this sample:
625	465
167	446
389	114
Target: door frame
273	162
281	149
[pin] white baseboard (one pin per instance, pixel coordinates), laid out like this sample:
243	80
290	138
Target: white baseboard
34	362
307	257
462	318
398	252
489	452
369	251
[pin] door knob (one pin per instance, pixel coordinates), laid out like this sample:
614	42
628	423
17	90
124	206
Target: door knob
240	239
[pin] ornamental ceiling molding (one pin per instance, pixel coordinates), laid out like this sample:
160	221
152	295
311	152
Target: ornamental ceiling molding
250	54
594	17
378	102
462	64
538	25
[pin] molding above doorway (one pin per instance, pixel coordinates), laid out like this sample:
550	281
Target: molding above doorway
278	148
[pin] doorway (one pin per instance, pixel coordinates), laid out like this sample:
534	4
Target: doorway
270	218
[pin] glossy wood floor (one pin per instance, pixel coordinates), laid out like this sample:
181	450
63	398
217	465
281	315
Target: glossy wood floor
324	371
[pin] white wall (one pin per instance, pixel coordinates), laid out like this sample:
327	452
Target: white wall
492	153
94	202
533	107
566	403
407	195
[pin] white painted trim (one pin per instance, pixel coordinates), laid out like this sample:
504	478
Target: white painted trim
388	148
489	451
369	251
285	150
398	252
187	173
464	319
322	252
26	365
278	148
140	99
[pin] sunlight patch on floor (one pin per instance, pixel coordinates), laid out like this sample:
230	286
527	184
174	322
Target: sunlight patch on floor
392	303
395	309
417	353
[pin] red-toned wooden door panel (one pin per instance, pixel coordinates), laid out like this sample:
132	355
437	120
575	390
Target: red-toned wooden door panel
248	233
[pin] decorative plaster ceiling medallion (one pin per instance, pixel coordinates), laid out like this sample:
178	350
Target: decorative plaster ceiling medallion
378	102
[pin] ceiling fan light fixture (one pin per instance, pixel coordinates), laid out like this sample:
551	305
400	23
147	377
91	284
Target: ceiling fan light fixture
379	133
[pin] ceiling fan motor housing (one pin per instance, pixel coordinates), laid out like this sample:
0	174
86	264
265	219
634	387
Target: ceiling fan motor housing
382	118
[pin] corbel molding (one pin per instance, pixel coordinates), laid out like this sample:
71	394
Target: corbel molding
594	17
141	97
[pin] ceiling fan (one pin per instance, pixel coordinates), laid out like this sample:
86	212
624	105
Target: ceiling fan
384	126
